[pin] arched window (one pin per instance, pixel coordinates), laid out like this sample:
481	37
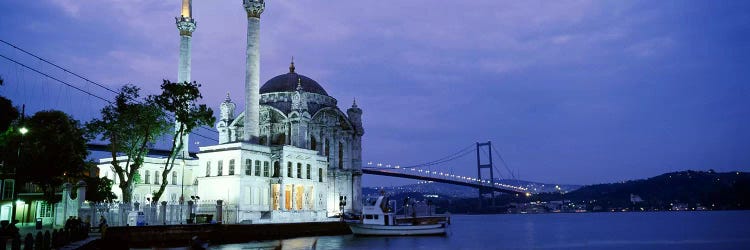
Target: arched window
248	167
308	171
174	178
220	168
289	169
257	168
208	168
276	169
341	155
147	180
313	143
299	170
320	174
156	177
231	167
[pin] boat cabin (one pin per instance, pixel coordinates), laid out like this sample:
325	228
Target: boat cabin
378	211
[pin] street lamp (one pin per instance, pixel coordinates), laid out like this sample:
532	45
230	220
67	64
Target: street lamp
342	204
23	130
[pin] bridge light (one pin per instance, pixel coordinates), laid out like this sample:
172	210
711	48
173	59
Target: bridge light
379	164
528	194
397	166
369	163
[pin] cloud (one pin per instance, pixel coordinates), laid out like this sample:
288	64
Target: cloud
70	7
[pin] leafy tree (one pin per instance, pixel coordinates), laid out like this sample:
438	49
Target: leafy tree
130	127
99	189
179	99
52	152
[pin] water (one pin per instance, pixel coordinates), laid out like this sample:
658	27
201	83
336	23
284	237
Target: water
650	230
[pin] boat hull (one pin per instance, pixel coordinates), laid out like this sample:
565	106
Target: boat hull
369	229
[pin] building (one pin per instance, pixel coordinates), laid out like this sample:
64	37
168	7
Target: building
291	155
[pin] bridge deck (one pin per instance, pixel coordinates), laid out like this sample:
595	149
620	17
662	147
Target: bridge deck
442	179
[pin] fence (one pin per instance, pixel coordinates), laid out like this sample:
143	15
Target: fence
125	214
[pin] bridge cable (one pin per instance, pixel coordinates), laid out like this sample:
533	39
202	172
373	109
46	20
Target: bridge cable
493	165
439	162
506	166
448	158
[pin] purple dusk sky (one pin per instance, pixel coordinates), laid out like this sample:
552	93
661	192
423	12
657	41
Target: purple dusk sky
574	92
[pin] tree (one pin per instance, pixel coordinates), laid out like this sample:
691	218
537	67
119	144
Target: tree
99	189
179	99
131	128
9	113
51	153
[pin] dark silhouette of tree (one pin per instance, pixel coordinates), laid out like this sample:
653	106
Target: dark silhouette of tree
131	128
9	113
53	152
99	189
179	99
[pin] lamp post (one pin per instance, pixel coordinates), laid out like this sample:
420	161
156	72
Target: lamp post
22	130
342	204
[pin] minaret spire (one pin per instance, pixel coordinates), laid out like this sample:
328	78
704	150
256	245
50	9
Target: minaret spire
187	8
291	66
251	122
186	25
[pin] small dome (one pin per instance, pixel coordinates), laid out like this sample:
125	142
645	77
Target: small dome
288	83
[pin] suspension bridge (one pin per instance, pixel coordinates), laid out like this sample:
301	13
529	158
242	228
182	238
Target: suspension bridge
485	185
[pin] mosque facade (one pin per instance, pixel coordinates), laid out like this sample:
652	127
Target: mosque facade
290	156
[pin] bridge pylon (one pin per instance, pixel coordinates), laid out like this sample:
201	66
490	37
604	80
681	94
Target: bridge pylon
482	165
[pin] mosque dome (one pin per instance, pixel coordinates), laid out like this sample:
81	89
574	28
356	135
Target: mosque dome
288	83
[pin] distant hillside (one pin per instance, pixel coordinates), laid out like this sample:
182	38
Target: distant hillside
709	189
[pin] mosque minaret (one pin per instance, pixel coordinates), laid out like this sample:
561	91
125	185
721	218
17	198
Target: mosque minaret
290	156
186	26
251	130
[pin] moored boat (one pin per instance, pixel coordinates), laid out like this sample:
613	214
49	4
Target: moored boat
378	218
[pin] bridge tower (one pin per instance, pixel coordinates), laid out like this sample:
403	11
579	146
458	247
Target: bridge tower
487	163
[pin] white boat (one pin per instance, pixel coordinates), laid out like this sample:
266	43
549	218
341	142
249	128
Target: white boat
378	219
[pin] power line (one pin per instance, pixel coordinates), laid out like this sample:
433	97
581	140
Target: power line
77	88
53	78
211	129
57	66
